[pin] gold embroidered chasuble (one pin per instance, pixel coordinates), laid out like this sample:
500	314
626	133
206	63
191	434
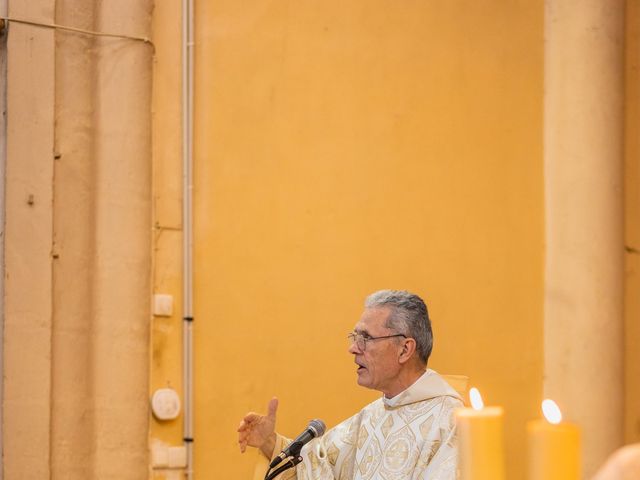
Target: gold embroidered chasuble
410	436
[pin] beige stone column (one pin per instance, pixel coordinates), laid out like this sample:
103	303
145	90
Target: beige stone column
72	414
78	242
102	225
122	257
584	218
28	230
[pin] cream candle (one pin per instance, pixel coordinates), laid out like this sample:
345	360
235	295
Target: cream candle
554	446
480	440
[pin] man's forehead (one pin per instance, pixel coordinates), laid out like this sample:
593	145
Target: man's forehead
372	319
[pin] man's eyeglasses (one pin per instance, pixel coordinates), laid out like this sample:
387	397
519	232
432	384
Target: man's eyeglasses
361	340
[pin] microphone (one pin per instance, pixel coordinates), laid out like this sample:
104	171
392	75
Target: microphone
315	429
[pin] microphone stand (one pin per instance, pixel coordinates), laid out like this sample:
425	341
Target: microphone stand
292	462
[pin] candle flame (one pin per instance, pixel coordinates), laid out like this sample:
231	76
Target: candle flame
551	411
476	399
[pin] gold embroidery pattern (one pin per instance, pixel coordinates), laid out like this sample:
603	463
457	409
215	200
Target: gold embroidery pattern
352	433
398	451
332	454
376	417
387	426
370	459
313	459
302	474
425	427
362	436
409	413
423	460
446	470
346	470
429	450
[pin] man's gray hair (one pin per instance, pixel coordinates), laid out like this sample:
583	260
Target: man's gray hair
409	316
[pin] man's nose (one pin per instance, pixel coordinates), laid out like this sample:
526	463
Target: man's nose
353	348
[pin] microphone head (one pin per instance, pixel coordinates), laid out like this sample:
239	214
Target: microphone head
317	427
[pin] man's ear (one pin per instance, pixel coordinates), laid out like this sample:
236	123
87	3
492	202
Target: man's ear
408	350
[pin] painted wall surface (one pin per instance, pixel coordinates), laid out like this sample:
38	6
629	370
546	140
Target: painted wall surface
343	147
632	224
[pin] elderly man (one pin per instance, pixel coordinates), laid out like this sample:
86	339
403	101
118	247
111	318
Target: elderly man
408	433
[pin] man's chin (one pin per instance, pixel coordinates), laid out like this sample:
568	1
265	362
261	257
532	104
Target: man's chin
363	381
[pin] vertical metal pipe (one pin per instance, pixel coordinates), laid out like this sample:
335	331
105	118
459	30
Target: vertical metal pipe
3	159
187	220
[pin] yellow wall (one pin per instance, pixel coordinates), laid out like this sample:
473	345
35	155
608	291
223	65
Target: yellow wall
343	147
632	225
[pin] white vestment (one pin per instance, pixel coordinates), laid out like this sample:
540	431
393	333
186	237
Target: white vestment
410	436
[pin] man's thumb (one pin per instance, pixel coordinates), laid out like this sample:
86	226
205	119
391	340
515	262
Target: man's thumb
272	407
